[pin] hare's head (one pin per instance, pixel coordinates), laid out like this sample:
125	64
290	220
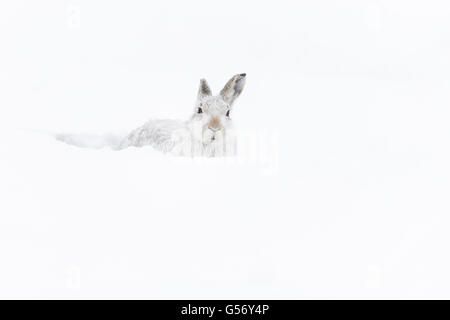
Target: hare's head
212	114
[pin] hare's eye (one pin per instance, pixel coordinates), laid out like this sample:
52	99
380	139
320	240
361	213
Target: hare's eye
228	113
199	110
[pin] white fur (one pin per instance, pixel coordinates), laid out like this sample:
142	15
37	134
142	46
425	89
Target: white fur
209	133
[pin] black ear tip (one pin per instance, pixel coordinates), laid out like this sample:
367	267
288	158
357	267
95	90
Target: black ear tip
243	74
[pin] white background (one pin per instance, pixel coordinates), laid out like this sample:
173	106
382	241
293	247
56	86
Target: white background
350	199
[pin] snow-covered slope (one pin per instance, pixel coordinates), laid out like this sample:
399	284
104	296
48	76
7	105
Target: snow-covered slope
342	182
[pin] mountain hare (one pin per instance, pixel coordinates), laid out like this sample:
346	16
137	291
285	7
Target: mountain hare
208	132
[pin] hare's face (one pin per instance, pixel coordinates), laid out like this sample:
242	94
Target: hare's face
211	118
212	114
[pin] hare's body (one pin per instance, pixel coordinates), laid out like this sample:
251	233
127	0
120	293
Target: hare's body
177	138
164	135
208	132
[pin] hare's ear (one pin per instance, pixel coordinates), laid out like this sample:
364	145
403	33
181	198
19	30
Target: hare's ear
233	88
204	89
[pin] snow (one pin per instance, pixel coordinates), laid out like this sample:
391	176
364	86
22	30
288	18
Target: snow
340	189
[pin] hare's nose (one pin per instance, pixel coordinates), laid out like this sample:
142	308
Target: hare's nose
214	125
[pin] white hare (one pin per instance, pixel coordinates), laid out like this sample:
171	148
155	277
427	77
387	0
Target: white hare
208	132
